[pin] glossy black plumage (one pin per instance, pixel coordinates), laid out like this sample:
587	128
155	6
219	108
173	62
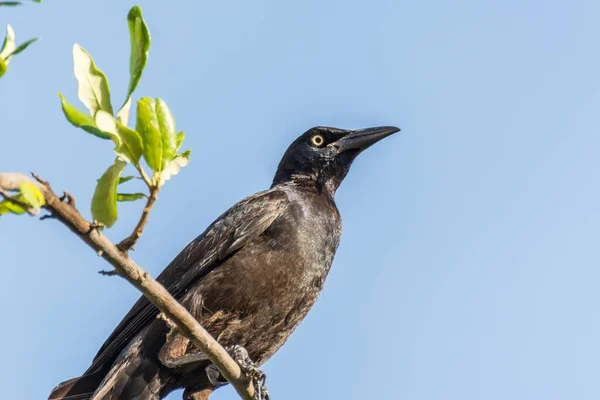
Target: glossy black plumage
250	278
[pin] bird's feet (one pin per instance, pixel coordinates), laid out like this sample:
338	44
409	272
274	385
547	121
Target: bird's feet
240	355
259	379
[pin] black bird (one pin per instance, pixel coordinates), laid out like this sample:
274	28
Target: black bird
249	279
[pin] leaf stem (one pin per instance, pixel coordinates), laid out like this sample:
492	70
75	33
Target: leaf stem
144	176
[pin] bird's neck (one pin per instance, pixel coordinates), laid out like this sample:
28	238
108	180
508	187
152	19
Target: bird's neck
309	184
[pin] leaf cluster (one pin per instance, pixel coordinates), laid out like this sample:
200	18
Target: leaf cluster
154	137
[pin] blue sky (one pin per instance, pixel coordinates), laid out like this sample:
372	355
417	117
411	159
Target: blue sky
468	266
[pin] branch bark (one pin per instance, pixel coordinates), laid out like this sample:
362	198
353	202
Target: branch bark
130	241
128	269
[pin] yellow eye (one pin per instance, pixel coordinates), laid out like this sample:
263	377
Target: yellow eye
317	140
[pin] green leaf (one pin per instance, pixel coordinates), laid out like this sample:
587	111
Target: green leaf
3	67
93	86
125	179
81	120
130	196
104	202
128	142
10	3
173	168
9	207
22	47
8	46
3	208
123	114
147	126
139	37
156	126
179	142
167	130
106	123
132	141
32	195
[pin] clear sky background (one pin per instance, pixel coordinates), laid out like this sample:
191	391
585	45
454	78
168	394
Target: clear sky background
469	262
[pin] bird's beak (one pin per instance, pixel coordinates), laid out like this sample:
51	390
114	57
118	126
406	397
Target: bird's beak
363	138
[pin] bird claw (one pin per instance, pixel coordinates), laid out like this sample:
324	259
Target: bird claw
259	379
213	375
260	387
240	355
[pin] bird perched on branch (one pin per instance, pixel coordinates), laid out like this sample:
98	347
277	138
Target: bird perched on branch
249	279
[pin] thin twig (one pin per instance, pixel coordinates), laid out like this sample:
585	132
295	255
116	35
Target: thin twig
130	241
112	272
38	178
154	291
68	198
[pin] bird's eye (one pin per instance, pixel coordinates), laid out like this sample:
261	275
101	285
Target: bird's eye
317	140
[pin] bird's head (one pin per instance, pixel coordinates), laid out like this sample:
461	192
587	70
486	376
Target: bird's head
322	156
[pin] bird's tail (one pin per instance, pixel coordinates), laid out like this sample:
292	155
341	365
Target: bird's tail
80	388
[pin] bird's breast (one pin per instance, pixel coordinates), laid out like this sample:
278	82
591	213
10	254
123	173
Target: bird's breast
268	286
291	258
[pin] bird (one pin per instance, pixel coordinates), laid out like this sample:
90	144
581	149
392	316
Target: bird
249	278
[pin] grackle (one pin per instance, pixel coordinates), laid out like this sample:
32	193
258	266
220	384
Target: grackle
249	279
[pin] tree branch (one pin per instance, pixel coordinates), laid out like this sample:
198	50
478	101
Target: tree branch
128	269
129	242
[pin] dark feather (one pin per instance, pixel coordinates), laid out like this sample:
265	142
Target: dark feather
80	388
238	226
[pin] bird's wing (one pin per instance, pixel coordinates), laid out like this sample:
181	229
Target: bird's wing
238	226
